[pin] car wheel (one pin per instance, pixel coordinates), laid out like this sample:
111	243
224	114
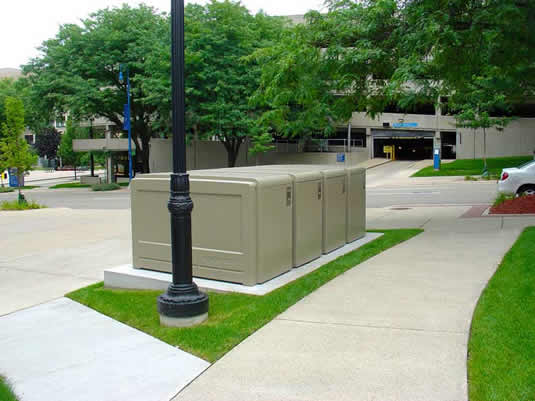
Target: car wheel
526	190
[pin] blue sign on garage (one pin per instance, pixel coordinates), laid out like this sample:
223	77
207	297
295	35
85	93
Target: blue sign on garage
405	125
341	157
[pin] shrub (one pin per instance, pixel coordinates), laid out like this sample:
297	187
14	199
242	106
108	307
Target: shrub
106	187
16	205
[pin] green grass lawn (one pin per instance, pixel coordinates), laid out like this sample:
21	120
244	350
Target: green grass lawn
232	317
501	351
6	393
70	185
473	167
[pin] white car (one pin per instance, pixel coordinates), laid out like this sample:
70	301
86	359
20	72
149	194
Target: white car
518	180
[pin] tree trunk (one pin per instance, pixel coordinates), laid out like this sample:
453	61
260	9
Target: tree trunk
233	150
145	143
485	148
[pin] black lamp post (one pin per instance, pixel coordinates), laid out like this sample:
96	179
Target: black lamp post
183	304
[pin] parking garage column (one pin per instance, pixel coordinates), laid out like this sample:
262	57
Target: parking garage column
369	142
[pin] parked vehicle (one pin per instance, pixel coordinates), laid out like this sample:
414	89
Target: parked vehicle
518	180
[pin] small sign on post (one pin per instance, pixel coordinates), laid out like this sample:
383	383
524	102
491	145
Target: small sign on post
341	157
436	159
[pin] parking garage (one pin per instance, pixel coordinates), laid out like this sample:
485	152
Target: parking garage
411	144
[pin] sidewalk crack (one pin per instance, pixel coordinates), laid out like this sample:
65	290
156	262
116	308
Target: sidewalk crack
371	326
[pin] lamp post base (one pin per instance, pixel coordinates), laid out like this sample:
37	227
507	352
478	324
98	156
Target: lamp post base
167	321
182	306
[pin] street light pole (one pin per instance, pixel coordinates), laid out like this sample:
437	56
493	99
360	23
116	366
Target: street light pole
128	119
183	304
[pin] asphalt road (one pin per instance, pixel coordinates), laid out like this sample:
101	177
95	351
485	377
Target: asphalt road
388	185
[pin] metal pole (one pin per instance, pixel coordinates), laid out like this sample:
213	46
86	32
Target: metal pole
183	304
130	173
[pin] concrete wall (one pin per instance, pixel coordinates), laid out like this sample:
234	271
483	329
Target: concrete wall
209	154
517	139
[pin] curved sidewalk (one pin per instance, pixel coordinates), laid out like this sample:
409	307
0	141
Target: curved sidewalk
394	328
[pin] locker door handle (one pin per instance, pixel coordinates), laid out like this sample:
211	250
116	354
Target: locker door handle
319	191
288	197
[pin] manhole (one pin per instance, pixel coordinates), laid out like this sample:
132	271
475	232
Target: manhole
400	208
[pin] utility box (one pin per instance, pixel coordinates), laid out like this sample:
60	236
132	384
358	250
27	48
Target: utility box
334	201
241	226
307	207
356	204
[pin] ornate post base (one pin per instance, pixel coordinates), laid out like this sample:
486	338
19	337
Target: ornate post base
183	304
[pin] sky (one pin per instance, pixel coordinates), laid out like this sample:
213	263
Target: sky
25	24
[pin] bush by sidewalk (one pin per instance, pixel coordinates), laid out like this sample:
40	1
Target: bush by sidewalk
16	205
105	187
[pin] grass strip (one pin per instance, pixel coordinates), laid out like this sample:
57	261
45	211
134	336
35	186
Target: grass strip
16	205
70	185
501	350
6	190
232	317
473	167
6	392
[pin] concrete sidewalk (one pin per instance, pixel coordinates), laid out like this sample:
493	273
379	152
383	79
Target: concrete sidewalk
46	253
394	328
63	351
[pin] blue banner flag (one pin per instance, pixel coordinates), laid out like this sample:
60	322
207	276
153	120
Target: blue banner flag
126	124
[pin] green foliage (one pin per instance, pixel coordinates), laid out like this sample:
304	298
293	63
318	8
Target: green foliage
14	150
47	142
501	349
65	150
319	73
232	317
16	205
70	185
106	187
6	392
471	167
502	198
6	189
78	71
219	78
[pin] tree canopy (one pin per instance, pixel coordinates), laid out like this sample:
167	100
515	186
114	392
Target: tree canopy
78	70
219	79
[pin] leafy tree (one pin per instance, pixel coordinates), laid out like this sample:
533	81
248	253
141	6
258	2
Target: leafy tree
65	151
462	48
78	70
47	142
219	79
15	152
320	72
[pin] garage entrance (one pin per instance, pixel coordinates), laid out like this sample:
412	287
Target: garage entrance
408	145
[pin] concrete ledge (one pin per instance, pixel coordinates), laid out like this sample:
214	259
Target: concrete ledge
138	279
